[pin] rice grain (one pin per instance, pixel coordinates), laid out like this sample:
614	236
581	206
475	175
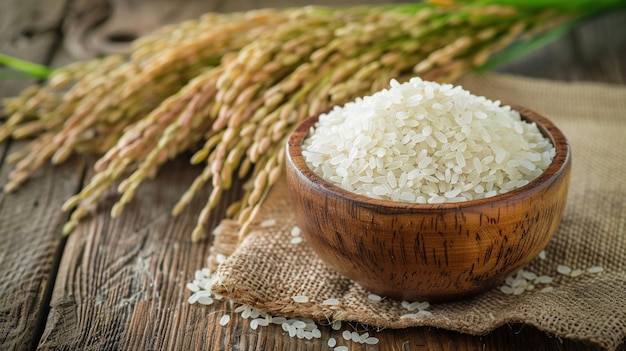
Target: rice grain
412	143
595	269
300	298
374	297
562	269
331	302
332	342
224	320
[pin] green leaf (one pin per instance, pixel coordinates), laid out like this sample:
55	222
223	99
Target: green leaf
523	47
582	6
28	69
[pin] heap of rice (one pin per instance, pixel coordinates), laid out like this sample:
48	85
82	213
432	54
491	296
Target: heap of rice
423	142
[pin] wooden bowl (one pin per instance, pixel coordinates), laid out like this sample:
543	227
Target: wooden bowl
429	252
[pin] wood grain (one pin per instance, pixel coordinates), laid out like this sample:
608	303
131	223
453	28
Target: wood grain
30	249
28	32
121	283
31	245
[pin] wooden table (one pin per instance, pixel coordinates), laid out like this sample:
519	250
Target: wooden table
120	284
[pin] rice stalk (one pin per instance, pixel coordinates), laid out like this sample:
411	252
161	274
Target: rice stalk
231	87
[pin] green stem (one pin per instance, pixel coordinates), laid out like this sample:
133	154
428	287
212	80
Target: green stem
579	6
31	69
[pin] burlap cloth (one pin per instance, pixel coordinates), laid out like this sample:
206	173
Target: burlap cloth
266	270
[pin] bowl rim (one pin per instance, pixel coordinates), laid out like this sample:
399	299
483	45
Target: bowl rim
560	163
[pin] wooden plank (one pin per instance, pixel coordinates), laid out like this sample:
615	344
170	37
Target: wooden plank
121	283
29	31
30	227
30	218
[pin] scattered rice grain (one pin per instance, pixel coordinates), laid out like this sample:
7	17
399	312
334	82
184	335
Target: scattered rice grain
529	275
595	269
363	337
193	287
543	279
576	273
565	270
224	320
424	313
278	320
296	240
371	340
331	302
268	223
205	300
332	342
506	289
374	297
300	298
417	305
519	290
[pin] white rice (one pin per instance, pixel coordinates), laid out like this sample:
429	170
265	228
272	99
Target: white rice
332	342
543	279
523	281
296	240
331	302
374	297
296	231
576	273
301	328
268	223
220	258
355	336
595	269
562	269
422	306
224	320
371	340
300	298
423	142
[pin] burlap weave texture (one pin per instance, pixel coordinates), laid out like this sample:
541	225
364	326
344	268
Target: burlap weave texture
266	270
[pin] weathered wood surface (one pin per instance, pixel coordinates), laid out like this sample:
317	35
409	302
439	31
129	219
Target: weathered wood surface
30	249
119	284
29	31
